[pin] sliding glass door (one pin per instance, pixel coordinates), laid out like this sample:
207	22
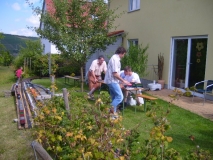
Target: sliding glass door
188	61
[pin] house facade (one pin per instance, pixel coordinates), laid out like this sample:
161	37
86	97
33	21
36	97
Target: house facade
180	30
47	45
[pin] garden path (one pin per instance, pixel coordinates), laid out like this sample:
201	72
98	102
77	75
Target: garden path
197	106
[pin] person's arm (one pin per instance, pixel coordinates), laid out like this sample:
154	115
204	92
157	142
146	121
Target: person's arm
91	70
93	74
116	75
105	67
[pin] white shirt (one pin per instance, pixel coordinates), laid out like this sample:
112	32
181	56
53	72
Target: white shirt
133	78
122	75
114	65
98	68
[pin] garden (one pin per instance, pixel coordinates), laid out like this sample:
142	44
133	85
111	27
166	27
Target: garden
86	131
165	131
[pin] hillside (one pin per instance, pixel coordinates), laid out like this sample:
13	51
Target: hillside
13	42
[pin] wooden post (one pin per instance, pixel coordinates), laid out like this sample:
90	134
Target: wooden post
53	81
66	102
40	150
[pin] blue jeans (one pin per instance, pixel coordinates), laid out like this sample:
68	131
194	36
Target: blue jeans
116	94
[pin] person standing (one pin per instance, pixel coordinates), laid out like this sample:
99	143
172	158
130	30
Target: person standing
112	79
19	72
94	74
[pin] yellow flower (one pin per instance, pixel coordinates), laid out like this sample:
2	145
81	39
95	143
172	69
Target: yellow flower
199	46
69	134
198	60
73	74
169	139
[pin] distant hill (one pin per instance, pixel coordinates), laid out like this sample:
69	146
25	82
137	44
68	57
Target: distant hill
13	42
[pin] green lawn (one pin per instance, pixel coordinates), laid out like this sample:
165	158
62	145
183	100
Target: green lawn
183	123
15	144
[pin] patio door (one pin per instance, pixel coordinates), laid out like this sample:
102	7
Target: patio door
188	61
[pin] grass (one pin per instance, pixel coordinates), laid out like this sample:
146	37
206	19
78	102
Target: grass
15	144
183	124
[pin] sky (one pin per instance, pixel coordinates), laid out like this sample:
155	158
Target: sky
16	15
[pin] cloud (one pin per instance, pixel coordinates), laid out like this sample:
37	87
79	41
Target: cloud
16	6
24	32
35	20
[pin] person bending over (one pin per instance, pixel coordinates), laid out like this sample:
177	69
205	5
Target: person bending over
94	75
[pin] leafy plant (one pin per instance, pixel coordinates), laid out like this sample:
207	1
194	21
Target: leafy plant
90	134
137	59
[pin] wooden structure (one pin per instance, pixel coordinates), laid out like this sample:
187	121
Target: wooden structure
146	98
67	78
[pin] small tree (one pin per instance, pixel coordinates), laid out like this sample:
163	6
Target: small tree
77	27
137	59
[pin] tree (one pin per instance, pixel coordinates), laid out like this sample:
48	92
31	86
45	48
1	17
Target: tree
77	28
5	57
32	52
137	59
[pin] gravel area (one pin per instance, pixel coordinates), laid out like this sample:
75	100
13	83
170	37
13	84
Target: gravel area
197	106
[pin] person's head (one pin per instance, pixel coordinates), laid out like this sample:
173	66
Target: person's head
121	51
21	68
127	70
100	59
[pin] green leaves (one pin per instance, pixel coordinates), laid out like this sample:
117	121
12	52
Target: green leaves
137	59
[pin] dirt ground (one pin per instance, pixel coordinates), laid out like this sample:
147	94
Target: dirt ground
197	106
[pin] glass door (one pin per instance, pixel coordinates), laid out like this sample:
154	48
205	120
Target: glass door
188	61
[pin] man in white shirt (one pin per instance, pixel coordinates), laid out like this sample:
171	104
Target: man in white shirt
123	74
112	79
131	77
94	75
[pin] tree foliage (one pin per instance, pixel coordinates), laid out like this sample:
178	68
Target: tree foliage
77	27
5	57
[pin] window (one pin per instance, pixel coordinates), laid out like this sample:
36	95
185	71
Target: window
134	5
132	41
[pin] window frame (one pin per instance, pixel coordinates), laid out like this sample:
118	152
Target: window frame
134	8
134	42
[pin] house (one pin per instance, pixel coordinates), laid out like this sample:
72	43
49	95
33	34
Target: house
47	45
181	30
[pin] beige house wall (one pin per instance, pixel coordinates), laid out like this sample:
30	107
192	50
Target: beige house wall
158	21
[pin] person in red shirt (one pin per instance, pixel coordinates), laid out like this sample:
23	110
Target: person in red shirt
19	72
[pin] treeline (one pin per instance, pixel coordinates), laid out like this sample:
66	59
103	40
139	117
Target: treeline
13	43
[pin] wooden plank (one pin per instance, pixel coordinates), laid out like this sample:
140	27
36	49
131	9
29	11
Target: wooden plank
146	97
41	151
25	117
76	78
